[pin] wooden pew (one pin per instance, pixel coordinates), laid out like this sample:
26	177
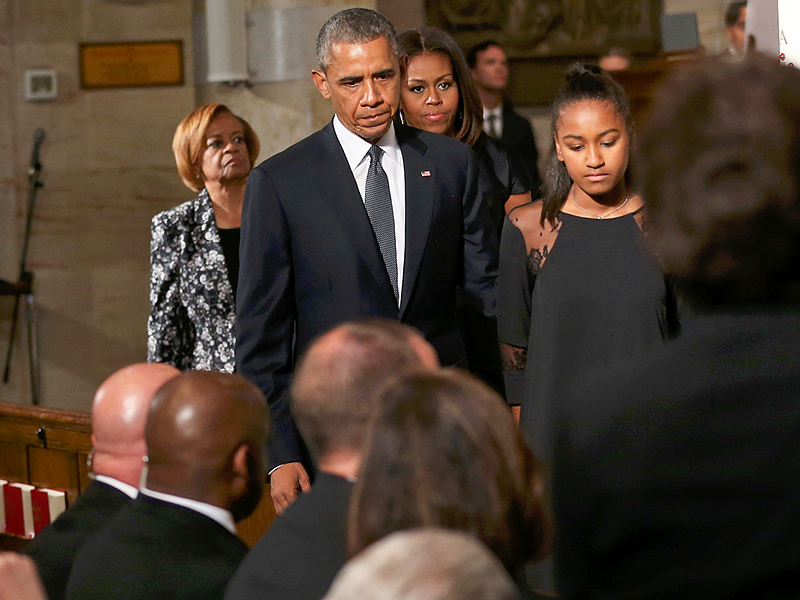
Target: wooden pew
49	448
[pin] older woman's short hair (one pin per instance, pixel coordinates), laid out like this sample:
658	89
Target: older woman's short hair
445	452
188	143
469	118
720	170
424	564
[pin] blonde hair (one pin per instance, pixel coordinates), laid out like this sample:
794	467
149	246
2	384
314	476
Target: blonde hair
189	142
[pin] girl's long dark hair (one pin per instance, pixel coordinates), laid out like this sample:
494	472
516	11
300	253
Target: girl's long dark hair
582	82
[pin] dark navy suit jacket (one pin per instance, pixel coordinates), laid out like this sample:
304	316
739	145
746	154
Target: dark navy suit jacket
310	261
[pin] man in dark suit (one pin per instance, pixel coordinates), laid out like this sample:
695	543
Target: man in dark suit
119	412
363	218
489	65
332	399
205	437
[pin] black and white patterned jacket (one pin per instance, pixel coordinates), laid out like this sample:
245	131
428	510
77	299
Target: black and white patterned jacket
191	324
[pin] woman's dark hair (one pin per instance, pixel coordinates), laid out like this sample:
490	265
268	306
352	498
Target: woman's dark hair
719	161
469	118
582	83
445	451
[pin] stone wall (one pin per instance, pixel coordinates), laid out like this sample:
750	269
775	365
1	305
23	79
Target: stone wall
107	168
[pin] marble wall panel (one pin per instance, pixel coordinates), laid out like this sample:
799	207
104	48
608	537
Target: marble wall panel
134	127
47	22
108	168
105	21
6	21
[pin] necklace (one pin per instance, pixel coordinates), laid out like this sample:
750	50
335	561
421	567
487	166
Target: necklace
591	212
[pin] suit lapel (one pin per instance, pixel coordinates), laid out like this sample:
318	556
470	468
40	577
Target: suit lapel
338	188
420	179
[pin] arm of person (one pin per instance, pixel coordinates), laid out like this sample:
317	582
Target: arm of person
520	185
481	246
515	285
265	322
170	334
20	580
530	158
284	482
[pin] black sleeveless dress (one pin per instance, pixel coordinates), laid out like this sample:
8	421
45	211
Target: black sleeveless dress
600	296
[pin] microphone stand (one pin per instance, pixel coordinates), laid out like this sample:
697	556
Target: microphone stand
24	287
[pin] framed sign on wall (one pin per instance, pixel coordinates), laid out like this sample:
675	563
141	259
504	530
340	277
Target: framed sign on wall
131	64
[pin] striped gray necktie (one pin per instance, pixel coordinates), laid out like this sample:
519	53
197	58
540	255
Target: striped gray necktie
492	119
378	202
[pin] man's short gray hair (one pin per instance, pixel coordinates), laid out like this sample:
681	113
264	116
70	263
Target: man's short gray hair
353	26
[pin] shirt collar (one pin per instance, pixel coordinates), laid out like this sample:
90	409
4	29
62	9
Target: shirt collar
356	148
220	515
497	111
123	487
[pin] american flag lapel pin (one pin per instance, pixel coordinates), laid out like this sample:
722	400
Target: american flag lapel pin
425	173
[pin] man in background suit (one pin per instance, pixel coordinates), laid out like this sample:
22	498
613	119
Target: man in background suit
735	22
489	65
333	399
363	218
119	412
205	437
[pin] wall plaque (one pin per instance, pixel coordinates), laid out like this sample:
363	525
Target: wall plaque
131	64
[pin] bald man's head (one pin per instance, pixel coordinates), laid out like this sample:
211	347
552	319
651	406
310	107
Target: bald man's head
206	435
334	386
119	413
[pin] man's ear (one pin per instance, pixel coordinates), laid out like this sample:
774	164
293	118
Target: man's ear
239	463
321	81
559	154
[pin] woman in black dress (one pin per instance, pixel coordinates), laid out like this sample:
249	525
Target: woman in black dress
437	94
194	252
579	288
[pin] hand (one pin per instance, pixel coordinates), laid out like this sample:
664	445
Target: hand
284	482
19	577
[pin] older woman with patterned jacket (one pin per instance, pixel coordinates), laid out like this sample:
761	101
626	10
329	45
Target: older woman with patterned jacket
194	252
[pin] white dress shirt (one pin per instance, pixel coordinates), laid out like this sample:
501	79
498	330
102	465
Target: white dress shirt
220	515
497	111
123	487
356	150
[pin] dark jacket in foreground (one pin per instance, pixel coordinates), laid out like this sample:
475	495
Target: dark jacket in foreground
678	478
55	548
301	553
156	550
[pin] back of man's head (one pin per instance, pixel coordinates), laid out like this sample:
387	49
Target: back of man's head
353	26
206	434
334	387
424	564
119	412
